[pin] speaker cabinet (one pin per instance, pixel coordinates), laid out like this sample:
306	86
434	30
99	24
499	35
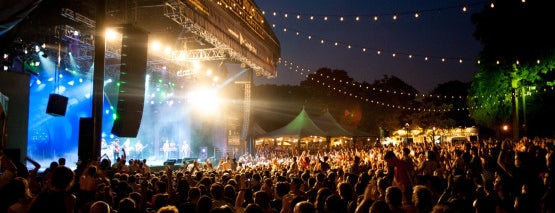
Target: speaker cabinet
57	105
86	145
131	83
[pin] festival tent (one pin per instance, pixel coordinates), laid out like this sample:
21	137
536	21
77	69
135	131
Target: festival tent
330	126
257	130
300	127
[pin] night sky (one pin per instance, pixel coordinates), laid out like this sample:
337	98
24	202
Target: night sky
442	30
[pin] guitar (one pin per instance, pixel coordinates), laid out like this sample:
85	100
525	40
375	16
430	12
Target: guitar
140	148
116	147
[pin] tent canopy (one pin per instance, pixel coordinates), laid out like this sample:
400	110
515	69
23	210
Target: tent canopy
332	128
300	127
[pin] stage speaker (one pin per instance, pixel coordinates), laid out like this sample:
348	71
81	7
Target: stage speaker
131	84
473	138
57	105
170	162
86	145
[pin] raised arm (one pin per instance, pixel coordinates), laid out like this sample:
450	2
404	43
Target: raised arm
36	165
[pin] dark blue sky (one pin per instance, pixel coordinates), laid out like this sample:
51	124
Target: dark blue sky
442	30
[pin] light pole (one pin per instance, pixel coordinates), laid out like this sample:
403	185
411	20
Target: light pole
433	135
406	133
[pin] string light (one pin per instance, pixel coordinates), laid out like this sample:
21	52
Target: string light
490	98
394	15
347	45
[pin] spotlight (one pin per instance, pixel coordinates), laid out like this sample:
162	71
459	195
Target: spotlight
5	68
6	55
37	63
75	33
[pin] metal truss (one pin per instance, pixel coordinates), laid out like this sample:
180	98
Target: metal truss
177	11
199	55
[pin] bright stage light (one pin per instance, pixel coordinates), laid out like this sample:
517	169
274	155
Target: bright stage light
107	81
111	34
205	100
156	45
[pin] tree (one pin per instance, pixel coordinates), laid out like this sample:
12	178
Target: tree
446	107
517	55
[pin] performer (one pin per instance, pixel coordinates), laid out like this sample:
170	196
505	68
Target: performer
185	151
104	148
127	146
116	148
139	149
166	150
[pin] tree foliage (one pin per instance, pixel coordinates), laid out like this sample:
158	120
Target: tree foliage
517	57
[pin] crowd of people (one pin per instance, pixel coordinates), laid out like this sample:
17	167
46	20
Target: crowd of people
481	176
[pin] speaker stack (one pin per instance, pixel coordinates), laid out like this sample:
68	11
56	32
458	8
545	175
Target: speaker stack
131	83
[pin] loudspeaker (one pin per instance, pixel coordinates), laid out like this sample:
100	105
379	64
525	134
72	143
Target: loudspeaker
86	145
473	138
170	162
57	105
131	82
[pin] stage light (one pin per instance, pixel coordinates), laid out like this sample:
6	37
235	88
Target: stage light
205	100
107	81
75	33
60	76
37	48
155	45
111	34
107	112
43	46
6	56
80	80
71	83
38	81
37	63
5	68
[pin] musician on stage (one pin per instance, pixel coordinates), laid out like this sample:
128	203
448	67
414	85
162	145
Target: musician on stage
166	150
116	148
139	149
104	148
185	151
127	146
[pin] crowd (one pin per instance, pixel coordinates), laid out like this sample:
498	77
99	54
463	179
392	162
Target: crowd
482	176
